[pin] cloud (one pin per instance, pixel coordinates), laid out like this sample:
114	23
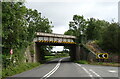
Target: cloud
72	0
60	29
60	13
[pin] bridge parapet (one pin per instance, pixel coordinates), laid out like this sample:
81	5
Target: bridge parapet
54	35
54	38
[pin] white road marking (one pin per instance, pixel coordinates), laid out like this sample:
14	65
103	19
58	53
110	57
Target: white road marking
112	71
95	73
52	71
78	64
86	71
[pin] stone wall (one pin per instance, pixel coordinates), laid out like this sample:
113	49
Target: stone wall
86	54
30	53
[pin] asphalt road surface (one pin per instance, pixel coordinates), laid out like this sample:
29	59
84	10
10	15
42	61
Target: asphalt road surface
63	68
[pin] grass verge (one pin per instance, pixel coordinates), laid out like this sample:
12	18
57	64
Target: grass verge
81	62
18	69
106	64
48	58
98	63
12	70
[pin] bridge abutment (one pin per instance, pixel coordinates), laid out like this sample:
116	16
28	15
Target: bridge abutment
39	53
72	53
78	52
75	52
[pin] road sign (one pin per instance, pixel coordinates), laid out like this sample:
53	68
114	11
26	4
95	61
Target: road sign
102	55
11	51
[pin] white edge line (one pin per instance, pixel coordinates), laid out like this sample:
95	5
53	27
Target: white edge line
94	73
85	70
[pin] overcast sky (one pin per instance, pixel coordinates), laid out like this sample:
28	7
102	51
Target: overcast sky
60	12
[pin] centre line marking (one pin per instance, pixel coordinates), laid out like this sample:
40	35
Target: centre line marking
53	70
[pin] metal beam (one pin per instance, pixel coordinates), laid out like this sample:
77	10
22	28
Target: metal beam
54	35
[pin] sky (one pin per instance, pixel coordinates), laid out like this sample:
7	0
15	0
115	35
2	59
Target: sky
61	12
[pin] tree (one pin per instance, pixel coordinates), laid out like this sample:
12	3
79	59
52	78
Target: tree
36	23
19	27
107	34
77	26
14	26
110	38
70	32
95	28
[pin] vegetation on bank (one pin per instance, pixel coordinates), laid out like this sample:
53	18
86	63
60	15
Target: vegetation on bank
12	70
105	34
98	63
19	27
16	69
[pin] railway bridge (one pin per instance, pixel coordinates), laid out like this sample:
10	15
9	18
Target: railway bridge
55	40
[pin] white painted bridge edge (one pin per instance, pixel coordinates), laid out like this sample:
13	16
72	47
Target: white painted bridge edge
54	35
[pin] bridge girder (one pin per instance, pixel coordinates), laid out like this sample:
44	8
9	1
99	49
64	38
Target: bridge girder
54	38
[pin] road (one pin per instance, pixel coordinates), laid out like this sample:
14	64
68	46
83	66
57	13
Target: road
63	68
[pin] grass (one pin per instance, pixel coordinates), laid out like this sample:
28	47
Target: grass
98	63
81	62
18	69
106	64
48	58
12	70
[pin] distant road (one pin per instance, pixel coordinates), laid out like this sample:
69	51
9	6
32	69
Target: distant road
63	68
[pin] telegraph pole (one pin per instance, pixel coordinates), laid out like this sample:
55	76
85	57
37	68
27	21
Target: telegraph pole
119	13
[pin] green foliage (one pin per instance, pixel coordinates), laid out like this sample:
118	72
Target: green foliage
49	57
95	28
70	32
105	33
31	48
82	62
12	70
13	26
61	55
18	56
98	63
19	25
77	27
110	38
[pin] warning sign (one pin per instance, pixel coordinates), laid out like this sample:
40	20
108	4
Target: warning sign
102	55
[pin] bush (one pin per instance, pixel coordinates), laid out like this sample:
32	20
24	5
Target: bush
18	69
